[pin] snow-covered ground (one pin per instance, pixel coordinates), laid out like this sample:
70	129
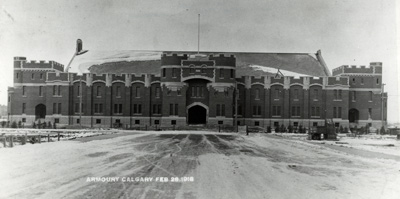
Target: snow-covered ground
222	166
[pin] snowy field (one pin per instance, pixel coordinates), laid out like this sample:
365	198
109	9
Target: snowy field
209	165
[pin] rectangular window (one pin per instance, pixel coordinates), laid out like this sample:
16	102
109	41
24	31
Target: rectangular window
78	121
295	124
340	94
223	110
276	93
257	97
221	73
256	123
59	90
23	90
370	96
98	121
137	91
33	76
276	110
339	112
115	108
218	110
56	120
174	72
163	72
118	91
354	96
54	90
159	109
276	124
239	110
232	73
362	80
76	107
296	93
54	108
334	112
315	93
23	108
298	111
17	75
173	122
171	109
156	122
96	108
120	108
157	92
315	123
220	122
41	75
98	91
79	91
369	112
40	91
137	121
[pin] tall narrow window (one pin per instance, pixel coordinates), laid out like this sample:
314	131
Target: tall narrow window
370	96
313	111
23	90
23	108
76	107
223	110
362	80
163	72
369	112
33	76
340	94
377	80
317	112
315	93
137	92
298	111
221	73
174	72
54	108
354	96
40	91
118	91
296	93
100	108
54	90
120	108
335	94
171	109
339	112
96	108
176	109
257	94
17	75
98	91
41	75
218	110
157	92
232	73
79	91
334	112
239	110
59	90
276	93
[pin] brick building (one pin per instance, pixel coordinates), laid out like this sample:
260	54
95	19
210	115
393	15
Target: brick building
198	89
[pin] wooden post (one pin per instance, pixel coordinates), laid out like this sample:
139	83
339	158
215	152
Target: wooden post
23	141
25	138
58	136
48	137
11	141
39	138
4	141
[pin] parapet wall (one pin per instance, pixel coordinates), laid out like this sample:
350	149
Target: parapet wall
373	68
21	62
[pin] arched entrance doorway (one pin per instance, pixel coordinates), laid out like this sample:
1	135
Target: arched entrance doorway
197	115
40	111
353	115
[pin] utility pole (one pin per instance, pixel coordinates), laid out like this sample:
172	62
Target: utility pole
382	104
236	107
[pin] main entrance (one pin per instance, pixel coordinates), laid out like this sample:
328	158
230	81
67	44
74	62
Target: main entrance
353	115
197	115
40	111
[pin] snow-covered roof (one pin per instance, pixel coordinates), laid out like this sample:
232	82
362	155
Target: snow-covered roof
254	64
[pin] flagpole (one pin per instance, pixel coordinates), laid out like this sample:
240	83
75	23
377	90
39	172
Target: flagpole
198	36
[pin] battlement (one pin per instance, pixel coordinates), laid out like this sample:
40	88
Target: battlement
373	68
21	62
173	59
223	60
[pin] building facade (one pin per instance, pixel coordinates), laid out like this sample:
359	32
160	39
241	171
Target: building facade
195	90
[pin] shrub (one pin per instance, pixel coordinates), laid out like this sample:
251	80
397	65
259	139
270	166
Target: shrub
3	124
19	124
283	129
33	125
277	129
49	124
382	131
14	125
269	129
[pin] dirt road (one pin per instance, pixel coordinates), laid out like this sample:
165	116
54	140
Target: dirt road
207	165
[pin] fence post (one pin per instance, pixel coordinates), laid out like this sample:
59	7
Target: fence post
58	136
11	141
23	141
48	137
26	137
40	138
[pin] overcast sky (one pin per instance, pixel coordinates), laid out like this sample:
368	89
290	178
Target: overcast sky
348	32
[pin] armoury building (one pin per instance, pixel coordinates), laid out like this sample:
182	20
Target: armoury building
186	88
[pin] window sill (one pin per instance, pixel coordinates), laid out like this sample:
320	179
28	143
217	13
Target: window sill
276	99
296	100
57	96
315	100
315	116
137	114
337	100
